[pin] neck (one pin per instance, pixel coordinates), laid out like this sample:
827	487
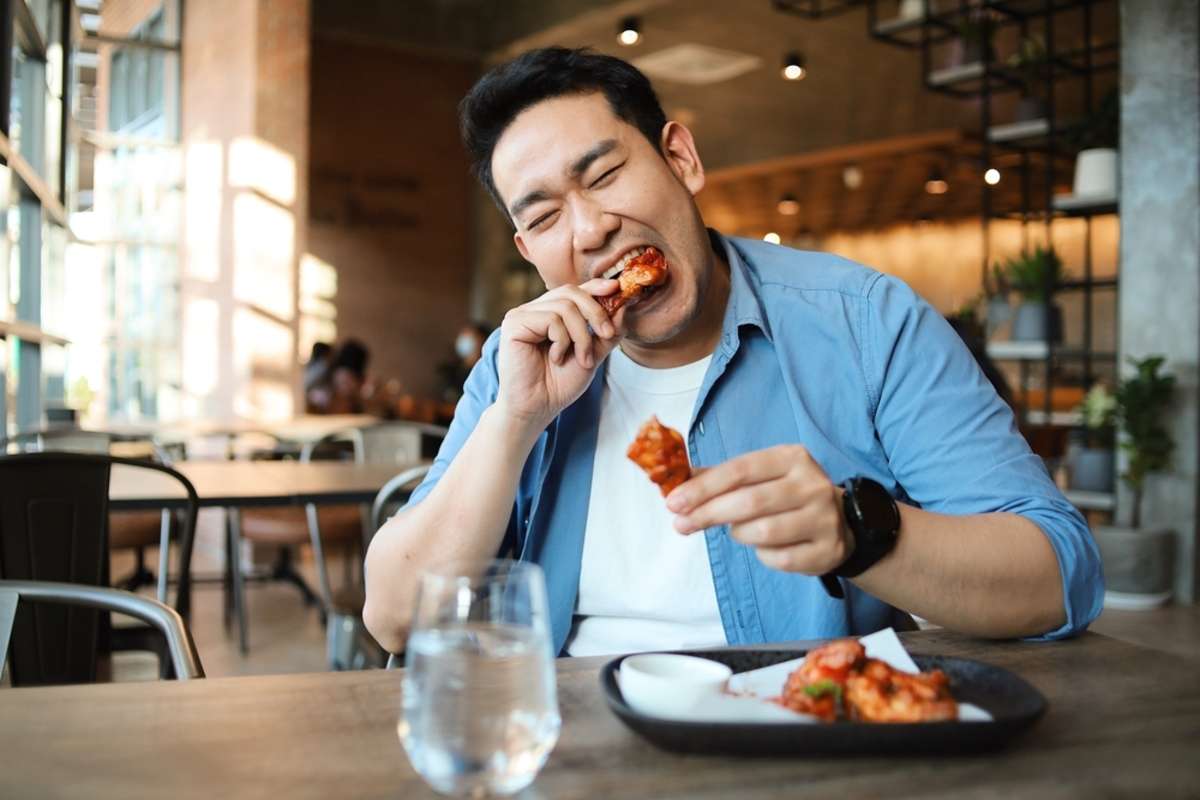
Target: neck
700	337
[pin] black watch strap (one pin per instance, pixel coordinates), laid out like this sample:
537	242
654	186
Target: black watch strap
872	514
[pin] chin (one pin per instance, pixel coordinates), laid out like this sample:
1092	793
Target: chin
660	323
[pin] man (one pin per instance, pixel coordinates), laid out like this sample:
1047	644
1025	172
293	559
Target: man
788	373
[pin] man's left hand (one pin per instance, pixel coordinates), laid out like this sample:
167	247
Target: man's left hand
779	501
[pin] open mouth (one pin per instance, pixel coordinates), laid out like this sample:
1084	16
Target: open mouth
640	273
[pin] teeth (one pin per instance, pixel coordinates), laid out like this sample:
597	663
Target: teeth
618	268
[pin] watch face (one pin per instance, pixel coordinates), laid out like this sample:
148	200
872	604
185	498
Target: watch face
877	507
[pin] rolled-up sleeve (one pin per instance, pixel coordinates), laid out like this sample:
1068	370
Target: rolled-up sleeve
953	445
479	392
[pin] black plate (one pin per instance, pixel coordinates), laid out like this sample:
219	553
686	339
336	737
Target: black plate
1013	704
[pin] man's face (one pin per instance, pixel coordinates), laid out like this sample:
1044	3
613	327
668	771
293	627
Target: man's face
584	187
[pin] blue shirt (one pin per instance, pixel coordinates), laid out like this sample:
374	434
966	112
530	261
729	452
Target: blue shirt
850	363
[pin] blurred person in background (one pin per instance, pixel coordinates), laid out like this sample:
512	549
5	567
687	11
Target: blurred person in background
318	391
468	347
348	378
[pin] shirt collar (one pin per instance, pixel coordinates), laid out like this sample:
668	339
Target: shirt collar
745	303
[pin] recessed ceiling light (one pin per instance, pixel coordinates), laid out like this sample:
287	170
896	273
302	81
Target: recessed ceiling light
793	67
788	205
629	32
992	176
936	182
772	237
852	176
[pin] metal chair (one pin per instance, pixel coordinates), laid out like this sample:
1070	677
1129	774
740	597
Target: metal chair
397	443
127	530
53	526
348	644
37	656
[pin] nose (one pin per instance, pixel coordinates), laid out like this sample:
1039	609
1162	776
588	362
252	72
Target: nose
592	225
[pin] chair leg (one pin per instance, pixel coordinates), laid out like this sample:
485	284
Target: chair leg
314	534
239	581
227	574
164	554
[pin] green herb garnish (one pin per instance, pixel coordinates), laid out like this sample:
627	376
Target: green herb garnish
822	688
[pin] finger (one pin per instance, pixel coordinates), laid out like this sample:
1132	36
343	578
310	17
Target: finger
741	505
795	558
560	339
787	528
756	467
592	311
810	558
568	311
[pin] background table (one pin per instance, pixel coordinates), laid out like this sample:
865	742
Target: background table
1123	720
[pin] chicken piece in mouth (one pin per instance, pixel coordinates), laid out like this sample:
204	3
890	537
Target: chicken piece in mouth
640	273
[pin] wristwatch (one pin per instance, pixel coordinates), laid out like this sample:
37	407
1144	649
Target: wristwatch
873	516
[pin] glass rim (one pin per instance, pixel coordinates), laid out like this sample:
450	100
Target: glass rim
471	571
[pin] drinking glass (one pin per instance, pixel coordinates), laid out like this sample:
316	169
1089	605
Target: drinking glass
480	708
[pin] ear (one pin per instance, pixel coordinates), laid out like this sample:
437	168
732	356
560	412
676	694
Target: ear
520	243
679	149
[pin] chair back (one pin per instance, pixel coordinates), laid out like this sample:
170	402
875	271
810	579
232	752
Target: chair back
54	527
394	494
184	660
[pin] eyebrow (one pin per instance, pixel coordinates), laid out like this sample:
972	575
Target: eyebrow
577	168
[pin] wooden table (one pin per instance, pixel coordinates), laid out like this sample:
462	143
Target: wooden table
234	485
244	484
1123	720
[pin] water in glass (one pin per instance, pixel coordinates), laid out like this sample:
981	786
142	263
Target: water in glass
480	709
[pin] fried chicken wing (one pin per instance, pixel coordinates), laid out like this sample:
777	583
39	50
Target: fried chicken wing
879	693
660	451
837	680
645	271
816	687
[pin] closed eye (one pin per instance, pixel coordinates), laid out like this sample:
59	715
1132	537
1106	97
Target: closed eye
605	176
543	218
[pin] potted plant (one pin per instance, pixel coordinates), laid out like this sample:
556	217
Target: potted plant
1138	562
999	311
1096	137
1030	274
974	41
1028	62
1091	458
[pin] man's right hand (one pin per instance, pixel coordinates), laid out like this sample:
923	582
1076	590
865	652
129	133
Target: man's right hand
548	354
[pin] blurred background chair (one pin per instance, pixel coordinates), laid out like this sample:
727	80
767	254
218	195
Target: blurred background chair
348	644
54	527
344	526
41	655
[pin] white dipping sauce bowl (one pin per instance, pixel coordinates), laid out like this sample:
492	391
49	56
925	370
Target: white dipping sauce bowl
667	685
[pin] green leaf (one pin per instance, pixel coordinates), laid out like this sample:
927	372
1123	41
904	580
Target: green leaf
823	688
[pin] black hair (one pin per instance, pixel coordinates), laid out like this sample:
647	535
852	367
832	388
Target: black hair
505	91
352	355
320	350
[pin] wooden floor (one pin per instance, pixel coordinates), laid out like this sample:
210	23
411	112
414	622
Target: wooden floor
286	635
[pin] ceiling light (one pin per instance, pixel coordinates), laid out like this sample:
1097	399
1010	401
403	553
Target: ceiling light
629	32
992	176
852	176
789	206
772	237
936	182
793	67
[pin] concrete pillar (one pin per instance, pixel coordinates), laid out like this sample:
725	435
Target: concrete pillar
245	83
1160	241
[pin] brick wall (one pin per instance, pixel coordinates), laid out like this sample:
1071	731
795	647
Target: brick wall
389	201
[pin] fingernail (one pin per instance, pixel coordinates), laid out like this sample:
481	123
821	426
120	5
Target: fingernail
676	503
683	525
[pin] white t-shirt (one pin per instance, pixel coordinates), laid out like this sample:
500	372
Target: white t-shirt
643	585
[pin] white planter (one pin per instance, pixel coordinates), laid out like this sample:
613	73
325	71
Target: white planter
1096	173
1139	566
1031	324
